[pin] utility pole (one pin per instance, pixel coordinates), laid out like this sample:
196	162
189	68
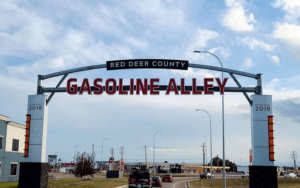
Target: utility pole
294	156
122	159
112	159
146	157
112	152
203	150
93	152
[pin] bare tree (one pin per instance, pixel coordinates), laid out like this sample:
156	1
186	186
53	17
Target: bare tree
85	165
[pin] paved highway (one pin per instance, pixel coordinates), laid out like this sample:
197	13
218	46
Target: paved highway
178	182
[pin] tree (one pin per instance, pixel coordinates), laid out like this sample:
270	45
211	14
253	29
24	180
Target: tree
85	165
219	162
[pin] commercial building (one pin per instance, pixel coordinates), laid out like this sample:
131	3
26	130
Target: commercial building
11	149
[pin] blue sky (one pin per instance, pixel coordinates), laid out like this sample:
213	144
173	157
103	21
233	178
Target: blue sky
42	37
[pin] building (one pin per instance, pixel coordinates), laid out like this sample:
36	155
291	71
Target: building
11	149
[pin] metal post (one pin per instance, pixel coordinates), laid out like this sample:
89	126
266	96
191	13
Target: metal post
205	153
75	154
153	167
39	85
102	152
211	161
223	128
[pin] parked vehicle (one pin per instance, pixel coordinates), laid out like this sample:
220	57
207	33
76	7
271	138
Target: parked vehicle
246	175
290	175
206	176
139	178
167	177
156	181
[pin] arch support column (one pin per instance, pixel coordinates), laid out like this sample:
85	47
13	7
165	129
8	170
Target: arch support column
34	171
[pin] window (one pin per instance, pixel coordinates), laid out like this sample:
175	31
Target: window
15	146
13	169
1	141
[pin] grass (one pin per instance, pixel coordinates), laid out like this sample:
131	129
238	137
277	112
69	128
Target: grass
74	183
243	183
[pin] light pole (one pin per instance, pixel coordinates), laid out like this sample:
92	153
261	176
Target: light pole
75	154
75	151
56	158
206	152
154	169
223	128
102	151
211	169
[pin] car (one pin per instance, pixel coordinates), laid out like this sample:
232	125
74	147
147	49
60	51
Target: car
206	176
139	178
156	181
167	177
297	174
290	175
246	175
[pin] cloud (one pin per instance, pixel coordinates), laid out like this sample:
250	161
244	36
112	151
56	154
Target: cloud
247	64
273	83
288	108
236	18
199	41
274	59
288	33
291	7
253	43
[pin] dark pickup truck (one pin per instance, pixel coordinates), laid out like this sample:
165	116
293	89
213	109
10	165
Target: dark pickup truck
139	179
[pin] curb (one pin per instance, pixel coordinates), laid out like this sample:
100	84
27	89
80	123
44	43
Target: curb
188	183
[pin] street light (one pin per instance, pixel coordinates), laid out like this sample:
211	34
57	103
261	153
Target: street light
154	169
223	129
102	151
75	155
211	169
206	151
56	158
75	152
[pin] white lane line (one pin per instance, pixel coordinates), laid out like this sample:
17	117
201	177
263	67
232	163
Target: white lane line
174	184
121	186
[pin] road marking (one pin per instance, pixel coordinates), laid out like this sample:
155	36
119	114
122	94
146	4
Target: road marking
121	186
174	184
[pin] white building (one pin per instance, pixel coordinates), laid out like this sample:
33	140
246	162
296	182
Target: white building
12	138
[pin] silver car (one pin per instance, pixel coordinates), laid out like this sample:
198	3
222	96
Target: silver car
290	175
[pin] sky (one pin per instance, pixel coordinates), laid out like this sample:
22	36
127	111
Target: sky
43	37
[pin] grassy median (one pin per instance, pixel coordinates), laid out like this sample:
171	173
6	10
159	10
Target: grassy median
74	183
242	183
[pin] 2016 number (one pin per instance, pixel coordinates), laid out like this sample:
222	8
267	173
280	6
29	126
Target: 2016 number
35	107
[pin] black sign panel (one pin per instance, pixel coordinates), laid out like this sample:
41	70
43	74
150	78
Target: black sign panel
147	64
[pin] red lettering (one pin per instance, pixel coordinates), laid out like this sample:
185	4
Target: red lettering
207	86
85	87
98	86
174	88
183	91
139	85
131	86
73	87
121	91
152	86
114	86
195	91
221	86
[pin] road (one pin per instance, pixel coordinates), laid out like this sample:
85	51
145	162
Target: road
178	182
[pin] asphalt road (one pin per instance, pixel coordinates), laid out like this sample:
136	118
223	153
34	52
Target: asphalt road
178	182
